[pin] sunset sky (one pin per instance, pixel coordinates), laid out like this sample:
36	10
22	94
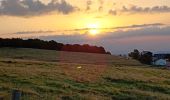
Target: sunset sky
117	25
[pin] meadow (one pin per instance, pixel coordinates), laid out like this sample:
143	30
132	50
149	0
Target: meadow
54	75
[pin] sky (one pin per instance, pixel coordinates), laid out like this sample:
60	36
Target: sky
118	25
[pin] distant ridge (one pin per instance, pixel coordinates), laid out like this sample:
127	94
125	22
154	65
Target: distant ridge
51	45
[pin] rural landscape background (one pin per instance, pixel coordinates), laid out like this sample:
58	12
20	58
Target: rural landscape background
55	75
84	50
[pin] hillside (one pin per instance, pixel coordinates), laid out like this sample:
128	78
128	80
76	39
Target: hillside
58	75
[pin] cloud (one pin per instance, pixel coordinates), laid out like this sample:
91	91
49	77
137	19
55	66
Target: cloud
88	5
101	2
143	30
122	27
84	31
34	32
136	9
139	26
34	7
112	12
155	9
150	31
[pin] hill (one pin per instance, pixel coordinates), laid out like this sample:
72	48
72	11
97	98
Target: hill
51	75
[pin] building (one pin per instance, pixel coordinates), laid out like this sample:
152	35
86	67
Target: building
168	64
160	62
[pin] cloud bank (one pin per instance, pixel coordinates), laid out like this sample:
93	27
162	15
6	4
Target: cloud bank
120	34
155	9
122	27
34	32
34	7
137	10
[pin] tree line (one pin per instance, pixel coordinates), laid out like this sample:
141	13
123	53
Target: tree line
50	45
144	57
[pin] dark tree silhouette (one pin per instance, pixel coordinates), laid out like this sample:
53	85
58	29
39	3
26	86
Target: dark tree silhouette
144	57
135	54
167	56
50	45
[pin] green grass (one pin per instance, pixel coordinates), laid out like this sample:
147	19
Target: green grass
52	75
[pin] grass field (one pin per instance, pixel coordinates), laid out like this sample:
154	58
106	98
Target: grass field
52	75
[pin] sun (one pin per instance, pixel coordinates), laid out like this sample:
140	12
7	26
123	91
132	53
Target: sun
93	29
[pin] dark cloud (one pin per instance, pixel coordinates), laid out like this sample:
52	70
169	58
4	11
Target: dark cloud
155	9
136	9
122	27
34	7
34	32
140	26
150	31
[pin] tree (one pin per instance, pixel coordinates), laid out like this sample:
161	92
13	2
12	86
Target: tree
146	57
135	54
50	45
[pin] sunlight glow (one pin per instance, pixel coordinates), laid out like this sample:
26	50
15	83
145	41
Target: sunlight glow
93	29
93	32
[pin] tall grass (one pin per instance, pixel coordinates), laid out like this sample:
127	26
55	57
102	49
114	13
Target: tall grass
44	75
